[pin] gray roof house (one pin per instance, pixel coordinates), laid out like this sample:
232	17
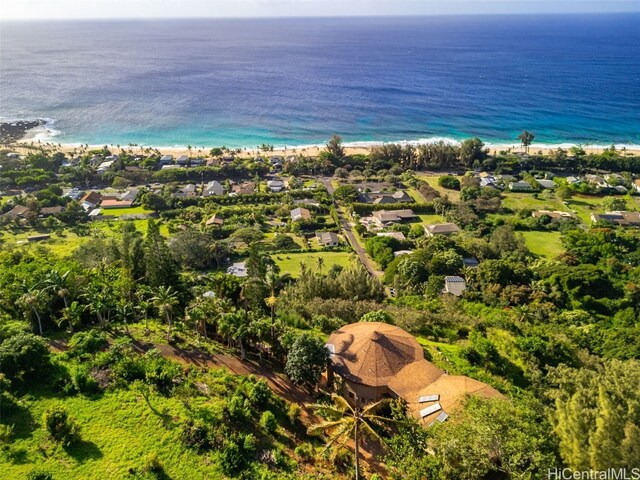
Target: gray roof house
328	239
548	184
275	185
166	160
441	229
213	188
520	186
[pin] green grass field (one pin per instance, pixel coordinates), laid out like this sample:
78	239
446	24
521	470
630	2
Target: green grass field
289	263
116	212
545	244
430	219
454	195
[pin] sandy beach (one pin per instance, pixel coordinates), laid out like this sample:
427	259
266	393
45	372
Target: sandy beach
31	140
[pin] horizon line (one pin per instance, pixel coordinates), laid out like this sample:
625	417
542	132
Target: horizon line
305	17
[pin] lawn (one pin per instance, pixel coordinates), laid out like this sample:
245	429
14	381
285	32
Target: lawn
454	195
289	263
118	430
430	219
61	245
116	212
545	244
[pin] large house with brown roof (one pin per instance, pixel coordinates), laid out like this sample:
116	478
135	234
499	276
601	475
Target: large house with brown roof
624	219
441	229
376	360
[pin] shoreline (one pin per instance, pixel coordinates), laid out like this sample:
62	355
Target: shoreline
42	134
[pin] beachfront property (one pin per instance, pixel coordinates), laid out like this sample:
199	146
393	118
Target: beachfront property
166	160
621	218
300	214
182	160
376	360
441	229
213	188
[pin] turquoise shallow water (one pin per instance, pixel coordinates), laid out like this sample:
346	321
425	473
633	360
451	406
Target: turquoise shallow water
569	79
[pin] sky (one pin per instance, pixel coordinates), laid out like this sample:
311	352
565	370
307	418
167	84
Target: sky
72	9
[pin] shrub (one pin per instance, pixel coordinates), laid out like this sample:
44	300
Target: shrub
237	409
6	431
268	421
304	452
160	372
82	381
23	354
293	413
152	464
60	426
195	434
260	393
450	182
231	458
38	474
377	316
87	342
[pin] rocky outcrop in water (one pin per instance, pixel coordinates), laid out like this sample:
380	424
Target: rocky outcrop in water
14	131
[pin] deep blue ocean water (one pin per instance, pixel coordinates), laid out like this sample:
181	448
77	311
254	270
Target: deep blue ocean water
569	79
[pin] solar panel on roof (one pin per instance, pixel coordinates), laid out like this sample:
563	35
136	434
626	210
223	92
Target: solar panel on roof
429	398
425	412
442	417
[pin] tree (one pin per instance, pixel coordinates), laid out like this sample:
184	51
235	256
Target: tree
472	150
320	264
165	301
153	201
450	182
612	204
123	311
58	284
526	138
31	304
235	325
160	267
335	149
347	422
346	193
377	316
60	426
72	316
306	361
22	355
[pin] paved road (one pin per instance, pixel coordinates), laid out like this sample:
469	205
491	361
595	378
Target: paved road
347	229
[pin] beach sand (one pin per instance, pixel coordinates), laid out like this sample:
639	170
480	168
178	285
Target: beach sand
27	144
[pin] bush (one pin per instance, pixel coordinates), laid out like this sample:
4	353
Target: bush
60	426
377	316
6	432
87	342
293	413
38	474
160	372
304	452
195	434
23	354
231	458
268	422
260	393
82	381
152	464
450	182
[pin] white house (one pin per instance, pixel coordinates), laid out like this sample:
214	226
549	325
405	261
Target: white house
454	285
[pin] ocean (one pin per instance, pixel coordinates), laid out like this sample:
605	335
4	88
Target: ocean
570	79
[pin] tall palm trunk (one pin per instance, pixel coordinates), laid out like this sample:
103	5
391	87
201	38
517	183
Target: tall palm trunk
168	317
39	321
357	448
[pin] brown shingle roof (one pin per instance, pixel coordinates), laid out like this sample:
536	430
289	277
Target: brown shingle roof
372	353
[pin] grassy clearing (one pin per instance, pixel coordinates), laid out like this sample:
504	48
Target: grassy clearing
454	195
290	262
431	219
116	212
59	244
545	244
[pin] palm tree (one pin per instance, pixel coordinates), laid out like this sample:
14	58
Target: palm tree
31	303
165	301
350	423
272	279
58	284
71	315
320	264
123	311
526	138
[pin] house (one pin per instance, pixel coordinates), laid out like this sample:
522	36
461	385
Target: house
300	214
74	194
91	199
388	217
196	162
572	180
397	235
596	180
244	188
104	166
129	195
555	214
49	211
182	160
548	184
187	191
95	213
15	212
520	187
506	178
376	360
624	219
621	189
166	160
490	182
470	262
441	229
115	204
636	185
214	220
275	185
328	239
213	188
454	285
384	198
238	269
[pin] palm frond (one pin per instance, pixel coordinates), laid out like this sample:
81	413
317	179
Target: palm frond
374	407
371	433
324	426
